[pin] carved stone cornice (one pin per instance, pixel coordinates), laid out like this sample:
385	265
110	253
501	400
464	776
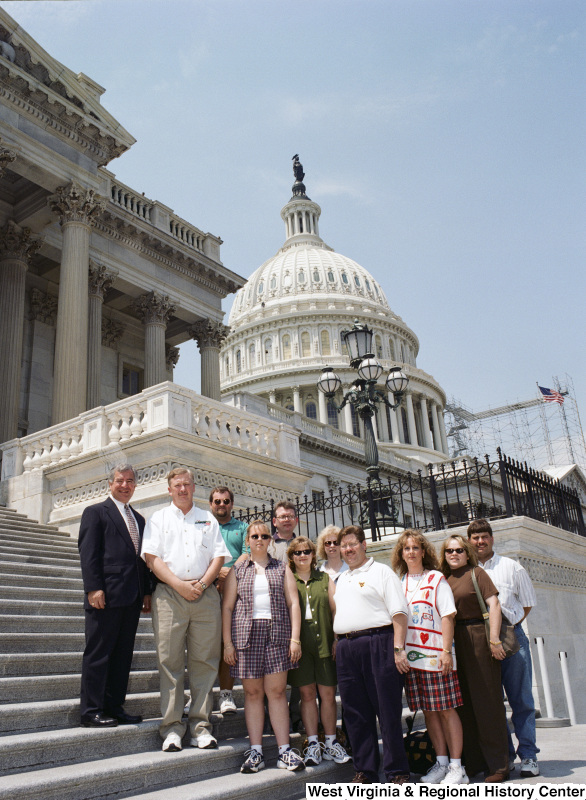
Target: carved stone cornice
18	243
111	332
6	157
74	203
209	333
43	306
171	356
100	280
153	308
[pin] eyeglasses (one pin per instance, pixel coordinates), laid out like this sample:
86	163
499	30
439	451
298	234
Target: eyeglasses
219	502
259	536
331	544
286	518
307	552
458	550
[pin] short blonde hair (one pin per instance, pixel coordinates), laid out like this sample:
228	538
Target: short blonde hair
329	530
293	546
468	548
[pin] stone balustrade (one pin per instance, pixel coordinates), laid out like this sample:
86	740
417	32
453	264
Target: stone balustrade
136	204
159	409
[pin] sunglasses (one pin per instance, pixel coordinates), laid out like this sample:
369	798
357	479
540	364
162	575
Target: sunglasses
331	544
458	550
259	536
220	502
307	552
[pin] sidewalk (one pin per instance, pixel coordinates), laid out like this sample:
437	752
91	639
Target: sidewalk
562	758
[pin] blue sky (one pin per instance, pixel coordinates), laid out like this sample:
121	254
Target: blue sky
444	142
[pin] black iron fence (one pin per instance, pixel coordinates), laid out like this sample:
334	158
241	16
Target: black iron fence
448	495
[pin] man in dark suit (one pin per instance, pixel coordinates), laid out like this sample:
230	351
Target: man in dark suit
117	587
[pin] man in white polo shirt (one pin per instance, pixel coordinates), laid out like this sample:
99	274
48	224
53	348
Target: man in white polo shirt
517	598
370	626
183	546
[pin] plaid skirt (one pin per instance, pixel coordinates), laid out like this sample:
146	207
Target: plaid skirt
432	691
261	657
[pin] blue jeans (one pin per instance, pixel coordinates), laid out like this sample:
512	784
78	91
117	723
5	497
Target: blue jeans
516	672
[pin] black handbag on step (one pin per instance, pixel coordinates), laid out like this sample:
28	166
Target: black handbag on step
419	749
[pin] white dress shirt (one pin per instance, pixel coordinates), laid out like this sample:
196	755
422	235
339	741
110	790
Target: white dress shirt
367	597
122	510
187	543
516	591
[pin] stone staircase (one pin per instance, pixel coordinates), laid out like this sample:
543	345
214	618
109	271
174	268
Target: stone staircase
43	751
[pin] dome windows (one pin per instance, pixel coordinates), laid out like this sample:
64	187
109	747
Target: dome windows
301	276
345	279
252	356
367	282
311	410
357	282
274	282
261	288
331	277
316	276
325	343
305	345
238	361
286	347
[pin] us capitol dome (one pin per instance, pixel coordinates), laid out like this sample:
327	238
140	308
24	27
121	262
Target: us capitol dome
286	324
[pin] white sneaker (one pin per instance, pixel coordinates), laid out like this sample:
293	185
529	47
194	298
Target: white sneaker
253	761
435	774
455	775
335	752
290	760
529	768
312	754
227	704
172	743
204	740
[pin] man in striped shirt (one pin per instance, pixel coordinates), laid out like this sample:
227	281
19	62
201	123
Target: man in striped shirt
517	598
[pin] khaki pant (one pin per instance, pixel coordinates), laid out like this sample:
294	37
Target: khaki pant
177	624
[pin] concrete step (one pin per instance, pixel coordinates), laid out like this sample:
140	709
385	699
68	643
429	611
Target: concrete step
153	770
39	623
24	579
56	714
10	592
38	560
59	642
37	537
11	567
21	523
25	547
59	687
62	608
40	664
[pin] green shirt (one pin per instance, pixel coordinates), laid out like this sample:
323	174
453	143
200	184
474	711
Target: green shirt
320	627
234	534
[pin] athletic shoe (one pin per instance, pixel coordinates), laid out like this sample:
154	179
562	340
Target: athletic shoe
253	761
335	752
435	774
529	768
290	760
172	743
511	764
204	740
312	754
455	775
227	704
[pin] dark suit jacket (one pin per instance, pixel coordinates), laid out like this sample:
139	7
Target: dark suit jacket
108	559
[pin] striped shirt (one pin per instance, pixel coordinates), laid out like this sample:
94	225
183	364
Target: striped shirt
516	591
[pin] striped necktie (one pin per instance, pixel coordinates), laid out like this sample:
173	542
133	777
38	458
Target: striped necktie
132	529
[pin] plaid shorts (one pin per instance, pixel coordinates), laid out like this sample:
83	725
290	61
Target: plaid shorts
432	691
261	657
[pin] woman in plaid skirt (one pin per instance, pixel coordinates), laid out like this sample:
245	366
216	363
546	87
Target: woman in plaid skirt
261	623
431	683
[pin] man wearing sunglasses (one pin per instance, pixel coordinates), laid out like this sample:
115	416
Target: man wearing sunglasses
234	534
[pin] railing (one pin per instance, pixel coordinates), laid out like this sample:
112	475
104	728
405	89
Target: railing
136	204
449	495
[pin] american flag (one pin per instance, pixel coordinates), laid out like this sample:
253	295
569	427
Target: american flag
551	396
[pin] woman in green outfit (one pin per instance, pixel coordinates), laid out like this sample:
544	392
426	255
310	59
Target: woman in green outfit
317	669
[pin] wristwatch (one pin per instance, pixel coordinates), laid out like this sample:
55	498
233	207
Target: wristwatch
398	650
205	586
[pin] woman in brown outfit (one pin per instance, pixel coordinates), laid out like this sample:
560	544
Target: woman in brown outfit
479	670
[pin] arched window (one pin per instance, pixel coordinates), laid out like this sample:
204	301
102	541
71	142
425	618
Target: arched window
331	276
310	410
392	348
290	407
301	276
316	276
261	287
367	282
343	345
227	366
332	414
286	347
273	282
252	356
378	345
268	351
325	343
305	345
355	423
238	361
357	281
344	278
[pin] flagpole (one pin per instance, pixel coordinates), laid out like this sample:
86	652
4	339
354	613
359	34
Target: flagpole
565	421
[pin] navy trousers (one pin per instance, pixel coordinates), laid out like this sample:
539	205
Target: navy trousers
371	686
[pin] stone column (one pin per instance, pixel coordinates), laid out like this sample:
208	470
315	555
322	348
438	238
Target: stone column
296	400
349	428
428	441
411	418
209	336
171	357
322	409
442	427
396	439
154	310
77	208
100	280
437	439
17	245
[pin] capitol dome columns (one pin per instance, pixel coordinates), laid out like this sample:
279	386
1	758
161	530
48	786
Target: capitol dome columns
17	245
209	336
100	280
77	208
154	310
